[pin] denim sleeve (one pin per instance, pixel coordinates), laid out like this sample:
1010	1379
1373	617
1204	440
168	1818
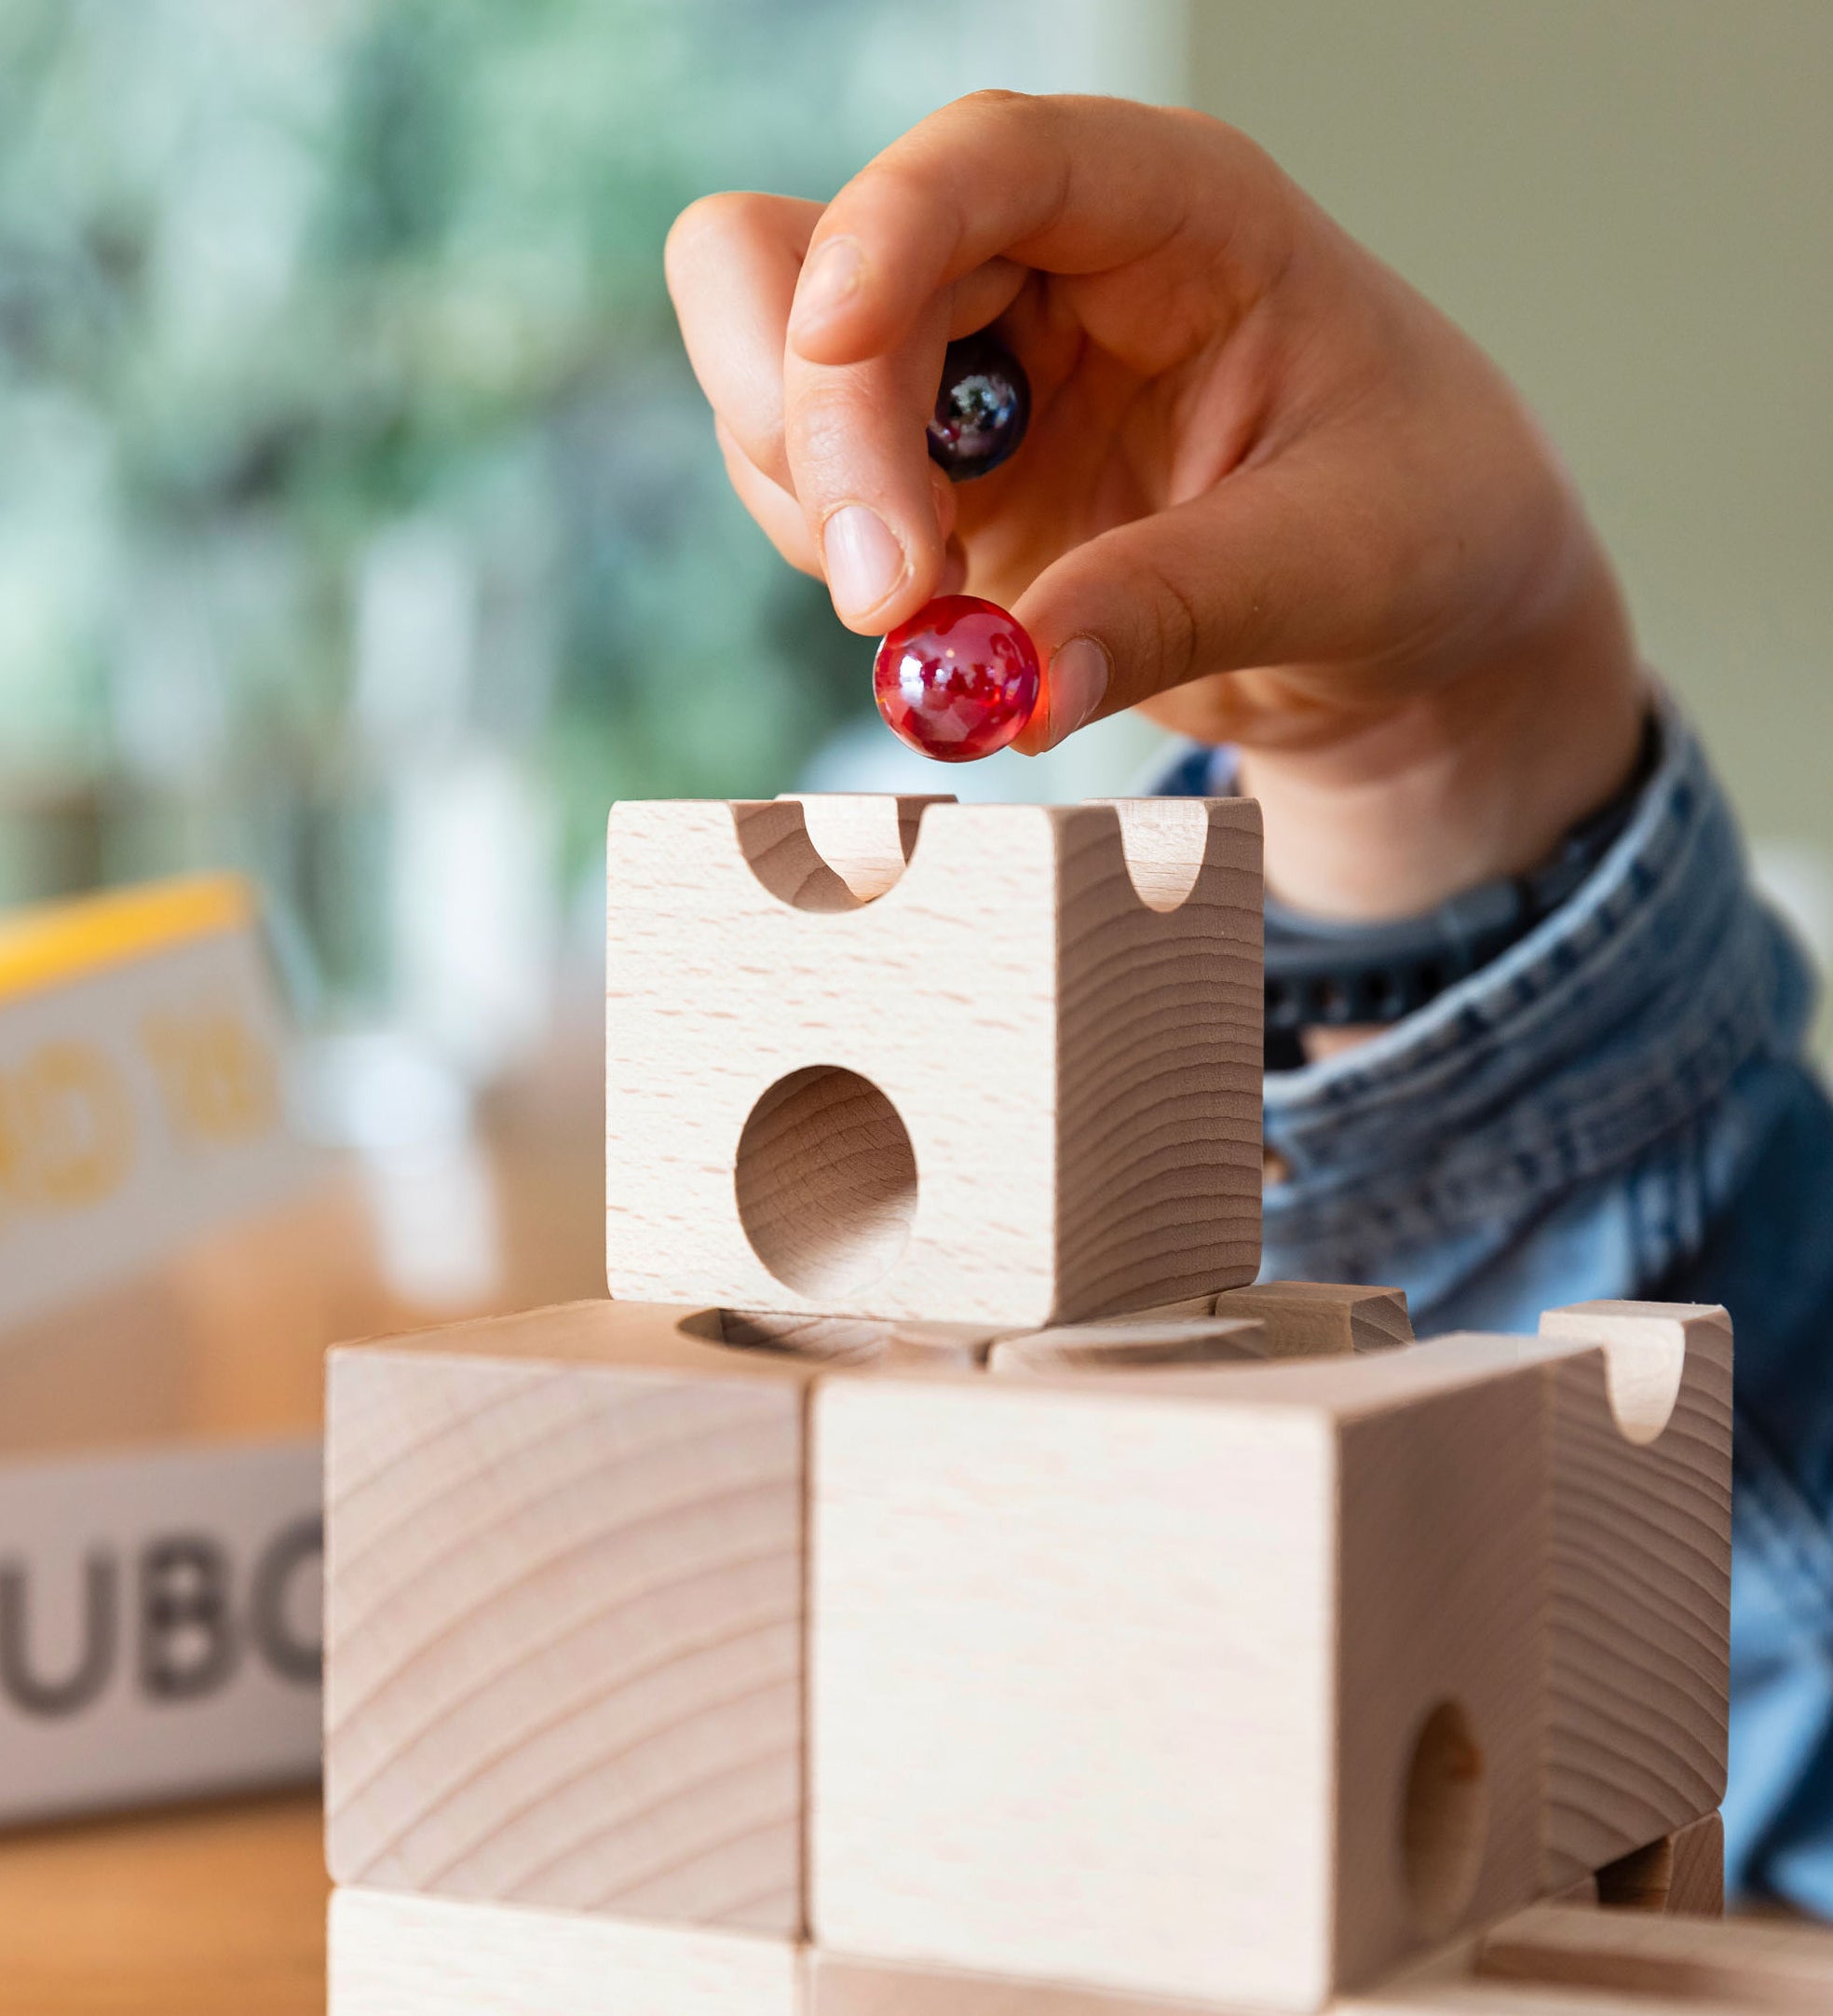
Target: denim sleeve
1621	1106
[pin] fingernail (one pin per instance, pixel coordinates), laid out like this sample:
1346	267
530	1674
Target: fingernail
863	562
1078	675
827	279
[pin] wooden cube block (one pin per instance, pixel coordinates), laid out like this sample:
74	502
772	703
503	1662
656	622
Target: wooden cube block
1226	1688
395	1956
1312	1318
565	1616
1641	1559
1017	1083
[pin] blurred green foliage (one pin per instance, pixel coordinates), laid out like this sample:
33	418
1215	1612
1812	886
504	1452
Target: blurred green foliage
342	419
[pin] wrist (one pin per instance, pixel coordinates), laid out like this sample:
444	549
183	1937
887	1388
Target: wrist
1475	777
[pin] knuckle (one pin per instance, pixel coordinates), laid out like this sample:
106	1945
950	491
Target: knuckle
1179	627
995	101
707	226
823	425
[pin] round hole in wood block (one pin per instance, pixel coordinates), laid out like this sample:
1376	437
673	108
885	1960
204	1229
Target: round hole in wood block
827	1181
1444	1818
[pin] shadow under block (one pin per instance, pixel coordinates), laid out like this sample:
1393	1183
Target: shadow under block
1021	1086
1144	1343
395	1956
564	1617
1224	1687
1639	1681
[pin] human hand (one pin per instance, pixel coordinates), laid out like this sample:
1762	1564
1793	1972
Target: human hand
1268	491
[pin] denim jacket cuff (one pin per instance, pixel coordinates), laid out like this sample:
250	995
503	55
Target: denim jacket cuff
1616	1026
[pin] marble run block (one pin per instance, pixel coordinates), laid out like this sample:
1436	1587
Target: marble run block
565	1616
1156	1676
1015	1080
1224	1687
1641	1559
564	1605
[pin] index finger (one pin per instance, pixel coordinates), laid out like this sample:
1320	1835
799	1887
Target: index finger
1062	185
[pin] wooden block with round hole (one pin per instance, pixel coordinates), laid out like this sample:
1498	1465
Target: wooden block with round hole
999	1064
564	1615
1226	1690
1312	1318
1641	1592
392	1954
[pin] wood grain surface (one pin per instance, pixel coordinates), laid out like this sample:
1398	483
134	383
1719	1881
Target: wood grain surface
1119	1681
1020	1085
564	1616
1639	1686
1677	1963
836	1986
1683	1872
1309	1318
396	1956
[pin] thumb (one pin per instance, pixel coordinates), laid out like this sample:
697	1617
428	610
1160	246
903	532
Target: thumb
1260	570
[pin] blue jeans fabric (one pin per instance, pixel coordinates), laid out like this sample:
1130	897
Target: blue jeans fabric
1621	1106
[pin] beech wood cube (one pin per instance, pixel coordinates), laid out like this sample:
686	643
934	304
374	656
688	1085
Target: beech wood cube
1018	1080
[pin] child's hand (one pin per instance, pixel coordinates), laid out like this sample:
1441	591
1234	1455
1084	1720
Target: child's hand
1269	491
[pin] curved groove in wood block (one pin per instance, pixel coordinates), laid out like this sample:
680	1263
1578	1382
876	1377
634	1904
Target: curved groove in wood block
773	839
866	839
1165	842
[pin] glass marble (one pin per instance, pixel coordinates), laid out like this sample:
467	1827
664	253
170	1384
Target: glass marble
958	680
982	410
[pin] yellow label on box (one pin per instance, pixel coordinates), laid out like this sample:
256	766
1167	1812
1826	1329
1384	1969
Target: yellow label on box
141	1046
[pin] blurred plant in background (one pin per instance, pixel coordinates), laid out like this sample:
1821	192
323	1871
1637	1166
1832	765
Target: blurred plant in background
354	492
360	524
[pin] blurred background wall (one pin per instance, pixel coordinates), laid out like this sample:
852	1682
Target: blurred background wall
360	524
1629	204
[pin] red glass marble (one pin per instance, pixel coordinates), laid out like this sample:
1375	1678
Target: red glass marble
958	680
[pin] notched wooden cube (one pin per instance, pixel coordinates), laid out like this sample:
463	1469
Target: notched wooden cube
565	1616
991	1063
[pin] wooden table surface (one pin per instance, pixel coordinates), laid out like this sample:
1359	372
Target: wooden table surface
212	1911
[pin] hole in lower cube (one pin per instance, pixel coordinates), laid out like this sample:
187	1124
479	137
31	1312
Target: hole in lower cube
842	1340
1444	1817
827	1181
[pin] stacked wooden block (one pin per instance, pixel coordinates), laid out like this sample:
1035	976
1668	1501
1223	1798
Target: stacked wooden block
938	1582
